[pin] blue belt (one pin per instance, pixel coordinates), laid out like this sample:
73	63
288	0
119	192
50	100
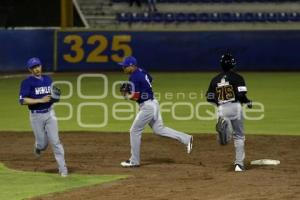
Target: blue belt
40	111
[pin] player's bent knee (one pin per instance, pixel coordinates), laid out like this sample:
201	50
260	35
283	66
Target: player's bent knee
42	147
136	131
158	131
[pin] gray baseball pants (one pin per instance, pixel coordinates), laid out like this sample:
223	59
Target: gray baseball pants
45	130
233	114
149	113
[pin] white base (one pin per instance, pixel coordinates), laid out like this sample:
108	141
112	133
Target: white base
265	162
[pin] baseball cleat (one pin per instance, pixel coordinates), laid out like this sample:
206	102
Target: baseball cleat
189	146
64	174
239	168
37	152
128	163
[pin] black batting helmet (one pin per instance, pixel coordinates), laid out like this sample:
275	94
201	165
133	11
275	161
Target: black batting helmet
227	62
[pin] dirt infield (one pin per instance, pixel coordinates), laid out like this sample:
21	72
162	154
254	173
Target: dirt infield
167	172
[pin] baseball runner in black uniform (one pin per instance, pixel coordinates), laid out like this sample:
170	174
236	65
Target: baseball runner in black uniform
228	91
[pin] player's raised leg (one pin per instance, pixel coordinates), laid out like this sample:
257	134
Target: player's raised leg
158	128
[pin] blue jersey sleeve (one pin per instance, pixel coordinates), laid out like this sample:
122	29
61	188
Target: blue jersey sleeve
24	91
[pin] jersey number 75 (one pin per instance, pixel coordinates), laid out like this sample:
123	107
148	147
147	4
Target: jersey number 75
225	93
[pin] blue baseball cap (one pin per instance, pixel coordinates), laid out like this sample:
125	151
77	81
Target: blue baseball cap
33	62
130	60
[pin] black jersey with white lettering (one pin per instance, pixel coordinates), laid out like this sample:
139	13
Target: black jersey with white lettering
227	87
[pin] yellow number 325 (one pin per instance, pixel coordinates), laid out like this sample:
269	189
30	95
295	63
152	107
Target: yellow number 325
77	54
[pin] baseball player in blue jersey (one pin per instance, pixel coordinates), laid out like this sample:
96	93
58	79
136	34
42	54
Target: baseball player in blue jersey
149	112
35	92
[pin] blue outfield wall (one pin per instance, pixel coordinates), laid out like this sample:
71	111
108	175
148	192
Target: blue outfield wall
156	50
16	46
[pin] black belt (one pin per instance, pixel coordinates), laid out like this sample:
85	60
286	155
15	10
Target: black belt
229	102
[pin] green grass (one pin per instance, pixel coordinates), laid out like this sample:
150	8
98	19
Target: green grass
278	92
32	184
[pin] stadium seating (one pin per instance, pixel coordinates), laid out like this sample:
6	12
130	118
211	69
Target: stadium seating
215	17
157	17
216	11
215	1
180	17
124	17
169	17
203	17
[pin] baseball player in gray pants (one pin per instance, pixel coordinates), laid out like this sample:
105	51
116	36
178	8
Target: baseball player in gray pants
35	92
228	91
149	112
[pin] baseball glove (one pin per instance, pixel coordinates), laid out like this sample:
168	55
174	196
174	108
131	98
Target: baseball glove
55	94
224	134
125	89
